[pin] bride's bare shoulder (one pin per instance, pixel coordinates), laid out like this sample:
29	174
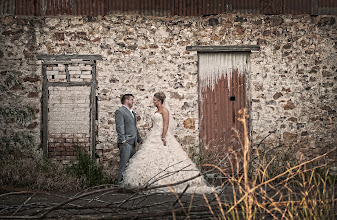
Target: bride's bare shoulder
165	112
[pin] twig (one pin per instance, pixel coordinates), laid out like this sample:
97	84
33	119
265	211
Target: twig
178	211
72	199
181	195
162	172
23	204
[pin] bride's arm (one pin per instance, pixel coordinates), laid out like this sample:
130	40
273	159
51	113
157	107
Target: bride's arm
165	125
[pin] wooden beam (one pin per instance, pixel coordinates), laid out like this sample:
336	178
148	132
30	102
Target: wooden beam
66	84
93	113
44	127
68	57
214	49
90	62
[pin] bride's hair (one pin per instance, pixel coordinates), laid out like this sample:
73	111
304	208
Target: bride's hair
160	96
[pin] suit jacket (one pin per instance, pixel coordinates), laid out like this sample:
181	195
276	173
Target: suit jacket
126	126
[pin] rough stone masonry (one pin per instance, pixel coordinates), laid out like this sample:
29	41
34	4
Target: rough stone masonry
292	86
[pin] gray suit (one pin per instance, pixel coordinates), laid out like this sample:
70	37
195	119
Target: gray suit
126	126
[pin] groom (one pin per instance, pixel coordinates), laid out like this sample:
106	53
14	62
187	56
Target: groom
128	135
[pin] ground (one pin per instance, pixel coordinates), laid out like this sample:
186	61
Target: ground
105	202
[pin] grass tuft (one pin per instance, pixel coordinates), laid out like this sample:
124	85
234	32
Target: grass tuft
86	168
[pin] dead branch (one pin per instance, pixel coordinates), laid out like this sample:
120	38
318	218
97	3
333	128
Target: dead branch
23	203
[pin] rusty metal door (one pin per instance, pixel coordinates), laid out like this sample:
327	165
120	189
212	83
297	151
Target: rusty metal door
222	92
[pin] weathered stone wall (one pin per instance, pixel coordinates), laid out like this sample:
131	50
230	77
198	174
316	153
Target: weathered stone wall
20	83
292	86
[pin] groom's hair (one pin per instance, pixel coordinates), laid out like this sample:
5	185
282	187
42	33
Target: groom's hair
125	96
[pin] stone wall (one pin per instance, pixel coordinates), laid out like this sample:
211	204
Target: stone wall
20	82
292	86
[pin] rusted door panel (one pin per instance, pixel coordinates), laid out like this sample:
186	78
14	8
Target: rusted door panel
222	80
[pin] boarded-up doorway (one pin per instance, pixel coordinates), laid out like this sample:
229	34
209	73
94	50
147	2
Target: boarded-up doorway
68	105
222	93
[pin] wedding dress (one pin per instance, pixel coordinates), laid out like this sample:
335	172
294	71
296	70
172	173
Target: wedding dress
155	164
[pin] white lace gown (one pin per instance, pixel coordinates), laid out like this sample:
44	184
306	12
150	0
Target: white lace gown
155	164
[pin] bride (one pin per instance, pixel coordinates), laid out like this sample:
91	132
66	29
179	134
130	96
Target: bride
161	159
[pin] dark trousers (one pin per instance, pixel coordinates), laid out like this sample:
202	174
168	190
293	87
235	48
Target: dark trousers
126	151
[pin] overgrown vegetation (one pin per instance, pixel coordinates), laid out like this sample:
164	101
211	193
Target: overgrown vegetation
303	193
29	172
22	164
22	168
274	183
200	156
85	168
15	144
281	187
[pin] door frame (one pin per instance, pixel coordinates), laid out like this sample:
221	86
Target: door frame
68	59
227	49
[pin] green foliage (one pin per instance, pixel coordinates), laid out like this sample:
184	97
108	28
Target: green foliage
195	155
21	167
87	168
35	173
16	141
201	156
19	161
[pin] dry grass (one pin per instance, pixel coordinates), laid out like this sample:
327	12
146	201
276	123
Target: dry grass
21	167
299	191
28	172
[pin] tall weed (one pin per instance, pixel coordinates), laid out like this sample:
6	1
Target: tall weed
87	169
289	189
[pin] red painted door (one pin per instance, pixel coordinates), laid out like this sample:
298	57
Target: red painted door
222	92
